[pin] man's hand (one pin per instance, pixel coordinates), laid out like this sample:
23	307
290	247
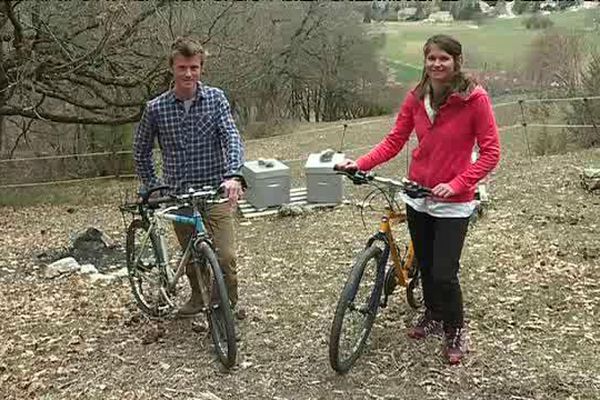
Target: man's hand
443	190
233	190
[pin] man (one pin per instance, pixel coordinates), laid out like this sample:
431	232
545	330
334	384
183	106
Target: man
200	145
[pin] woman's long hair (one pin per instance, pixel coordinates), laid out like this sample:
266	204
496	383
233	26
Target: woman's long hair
460	83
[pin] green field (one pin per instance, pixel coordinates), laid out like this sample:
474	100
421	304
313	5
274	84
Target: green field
496	44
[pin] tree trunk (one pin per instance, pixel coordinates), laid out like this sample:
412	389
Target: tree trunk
2	144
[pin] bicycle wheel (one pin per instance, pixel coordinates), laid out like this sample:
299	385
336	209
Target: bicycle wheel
349	335
147	277
414	292
219	314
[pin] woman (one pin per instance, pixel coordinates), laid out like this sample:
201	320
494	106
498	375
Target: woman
450	113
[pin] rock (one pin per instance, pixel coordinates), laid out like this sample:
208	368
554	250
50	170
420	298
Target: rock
101	277
440	16
406	13
590	179
62	266
88	269
92	246
92	234
120	273
287	210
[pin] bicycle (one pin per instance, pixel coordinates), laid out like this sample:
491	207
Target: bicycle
154	282
380	248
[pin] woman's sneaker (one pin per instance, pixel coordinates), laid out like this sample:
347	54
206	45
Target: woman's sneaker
456	344
425	326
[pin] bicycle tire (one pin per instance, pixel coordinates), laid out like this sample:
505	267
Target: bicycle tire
156	307
219	314
343	364
412	293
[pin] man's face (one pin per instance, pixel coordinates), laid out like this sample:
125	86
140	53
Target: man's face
186	71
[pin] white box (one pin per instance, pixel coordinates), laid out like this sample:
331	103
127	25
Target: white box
323	184
268	183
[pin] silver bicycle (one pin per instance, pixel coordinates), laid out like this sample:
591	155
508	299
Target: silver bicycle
154	282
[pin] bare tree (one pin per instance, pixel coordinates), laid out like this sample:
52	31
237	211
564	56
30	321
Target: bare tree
97	63
95	57
559	59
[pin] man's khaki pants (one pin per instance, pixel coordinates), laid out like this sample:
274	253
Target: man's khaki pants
220	228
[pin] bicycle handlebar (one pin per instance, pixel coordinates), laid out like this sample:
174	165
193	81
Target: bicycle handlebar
412	189
210	194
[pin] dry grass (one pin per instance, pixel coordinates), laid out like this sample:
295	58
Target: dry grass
530	276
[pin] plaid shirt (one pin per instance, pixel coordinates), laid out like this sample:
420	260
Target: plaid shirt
201	146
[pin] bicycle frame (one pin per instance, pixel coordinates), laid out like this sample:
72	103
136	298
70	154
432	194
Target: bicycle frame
385	234
155	235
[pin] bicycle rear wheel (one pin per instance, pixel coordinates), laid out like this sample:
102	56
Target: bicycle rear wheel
219	314
148	276
414	293
356	309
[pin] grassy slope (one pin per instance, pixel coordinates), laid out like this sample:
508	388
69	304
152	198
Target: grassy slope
497	44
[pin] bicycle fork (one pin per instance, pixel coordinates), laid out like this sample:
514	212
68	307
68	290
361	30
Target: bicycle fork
379	280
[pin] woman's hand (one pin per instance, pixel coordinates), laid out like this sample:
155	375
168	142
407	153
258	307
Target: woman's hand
347	166
443	190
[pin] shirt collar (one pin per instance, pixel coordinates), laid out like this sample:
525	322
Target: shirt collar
200	93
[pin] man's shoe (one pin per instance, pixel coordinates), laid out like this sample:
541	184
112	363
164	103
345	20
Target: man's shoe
456	344
192	307
425	326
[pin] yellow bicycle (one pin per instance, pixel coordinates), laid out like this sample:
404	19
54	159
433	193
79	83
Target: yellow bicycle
370	276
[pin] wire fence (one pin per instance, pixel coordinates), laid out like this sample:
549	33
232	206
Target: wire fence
120	162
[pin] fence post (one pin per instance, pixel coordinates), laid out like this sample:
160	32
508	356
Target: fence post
586	104
524	125
116	162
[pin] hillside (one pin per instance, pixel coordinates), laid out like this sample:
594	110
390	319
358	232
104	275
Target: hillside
530	273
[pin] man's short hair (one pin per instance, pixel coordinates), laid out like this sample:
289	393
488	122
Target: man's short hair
186	47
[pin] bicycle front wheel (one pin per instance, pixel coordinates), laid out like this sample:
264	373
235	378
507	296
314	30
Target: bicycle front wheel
356	309
219	314
148	275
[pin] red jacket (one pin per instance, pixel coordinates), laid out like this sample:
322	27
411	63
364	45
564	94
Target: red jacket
444	151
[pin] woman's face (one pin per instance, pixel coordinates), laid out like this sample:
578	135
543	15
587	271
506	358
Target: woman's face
439	65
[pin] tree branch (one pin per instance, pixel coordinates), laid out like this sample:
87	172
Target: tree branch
24	130
130	28
17	27
69	119
214	23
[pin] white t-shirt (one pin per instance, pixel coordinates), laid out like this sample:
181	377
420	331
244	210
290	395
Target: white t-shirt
187	104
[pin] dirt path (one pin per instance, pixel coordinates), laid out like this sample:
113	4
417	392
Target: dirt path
531	278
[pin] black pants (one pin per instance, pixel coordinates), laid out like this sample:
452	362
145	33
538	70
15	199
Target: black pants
438	243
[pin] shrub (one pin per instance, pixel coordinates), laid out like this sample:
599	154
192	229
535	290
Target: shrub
538	21
588	112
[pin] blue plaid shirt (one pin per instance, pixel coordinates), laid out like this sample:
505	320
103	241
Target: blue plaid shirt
201	146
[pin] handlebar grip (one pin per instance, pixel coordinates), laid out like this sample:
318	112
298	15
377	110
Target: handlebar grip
145	195
155	202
